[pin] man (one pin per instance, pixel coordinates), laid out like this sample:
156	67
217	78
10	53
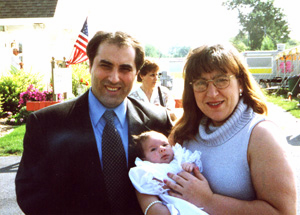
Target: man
61	170
16	63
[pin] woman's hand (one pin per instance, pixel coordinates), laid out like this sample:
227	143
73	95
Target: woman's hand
194	189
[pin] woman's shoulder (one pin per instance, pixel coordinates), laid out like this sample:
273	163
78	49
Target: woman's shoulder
135	93
164	89
266	135
266	127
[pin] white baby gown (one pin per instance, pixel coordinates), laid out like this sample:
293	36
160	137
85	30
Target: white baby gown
142	176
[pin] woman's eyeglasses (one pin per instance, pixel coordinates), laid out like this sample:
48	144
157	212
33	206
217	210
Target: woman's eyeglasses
219	82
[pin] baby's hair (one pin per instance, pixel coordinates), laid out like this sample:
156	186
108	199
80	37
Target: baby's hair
141	138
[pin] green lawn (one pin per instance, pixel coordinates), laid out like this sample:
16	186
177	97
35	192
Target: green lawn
12	143
290	106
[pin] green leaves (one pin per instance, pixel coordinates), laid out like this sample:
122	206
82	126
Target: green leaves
260	19
12	85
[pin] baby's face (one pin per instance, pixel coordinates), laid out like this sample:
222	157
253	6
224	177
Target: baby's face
158	150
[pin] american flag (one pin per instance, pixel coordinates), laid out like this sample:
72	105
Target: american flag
79	51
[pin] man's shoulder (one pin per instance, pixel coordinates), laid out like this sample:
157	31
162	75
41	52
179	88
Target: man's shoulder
145	116
146	108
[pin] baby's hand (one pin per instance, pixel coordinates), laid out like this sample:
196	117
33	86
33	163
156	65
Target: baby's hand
188	166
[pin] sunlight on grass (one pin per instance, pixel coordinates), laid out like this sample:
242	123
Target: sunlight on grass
12	143
290	106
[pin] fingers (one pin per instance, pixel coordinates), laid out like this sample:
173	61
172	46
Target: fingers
175	194
187	167
198	174
180	178
178	185
173	189
175	186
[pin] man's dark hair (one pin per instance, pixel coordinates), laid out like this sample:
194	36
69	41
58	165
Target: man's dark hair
118	38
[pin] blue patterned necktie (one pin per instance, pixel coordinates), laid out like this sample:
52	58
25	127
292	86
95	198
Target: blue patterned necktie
114	165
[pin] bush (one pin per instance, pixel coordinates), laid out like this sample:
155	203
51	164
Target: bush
12	85
31	94
81	78
1	111
19	118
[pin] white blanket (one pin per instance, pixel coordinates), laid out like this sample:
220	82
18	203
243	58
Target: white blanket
142	177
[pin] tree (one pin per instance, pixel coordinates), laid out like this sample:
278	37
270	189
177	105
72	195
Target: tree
259	19
151	51
267	44
292	43
240	42
179	51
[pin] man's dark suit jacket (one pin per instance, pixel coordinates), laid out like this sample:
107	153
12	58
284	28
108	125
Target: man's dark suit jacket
60	170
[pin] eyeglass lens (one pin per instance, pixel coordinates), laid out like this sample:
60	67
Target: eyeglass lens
219	82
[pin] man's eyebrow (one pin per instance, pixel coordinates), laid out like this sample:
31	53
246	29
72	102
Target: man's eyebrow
126	66
106	62
122	65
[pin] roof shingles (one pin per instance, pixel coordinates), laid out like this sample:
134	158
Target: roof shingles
27	8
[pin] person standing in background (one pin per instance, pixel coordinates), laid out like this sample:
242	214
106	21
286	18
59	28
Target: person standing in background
16	62
150	91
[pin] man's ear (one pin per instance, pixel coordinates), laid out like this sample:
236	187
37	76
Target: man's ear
90	66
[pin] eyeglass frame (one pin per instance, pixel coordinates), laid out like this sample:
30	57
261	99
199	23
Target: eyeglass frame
213	81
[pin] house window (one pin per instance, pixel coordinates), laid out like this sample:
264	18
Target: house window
2	28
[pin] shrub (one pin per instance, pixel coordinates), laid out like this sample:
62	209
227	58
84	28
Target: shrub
31	94
1	102
12	85
19	118
81	78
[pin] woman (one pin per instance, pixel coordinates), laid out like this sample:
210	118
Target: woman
150	92
245	167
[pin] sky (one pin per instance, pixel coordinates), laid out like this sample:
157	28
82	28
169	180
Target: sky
167	23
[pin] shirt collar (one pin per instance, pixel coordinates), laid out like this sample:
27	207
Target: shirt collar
97	110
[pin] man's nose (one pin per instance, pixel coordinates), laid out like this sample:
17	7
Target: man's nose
114	76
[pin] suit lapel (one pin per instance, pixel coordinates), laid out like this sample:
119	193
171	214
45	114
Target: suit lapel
79	121
137	123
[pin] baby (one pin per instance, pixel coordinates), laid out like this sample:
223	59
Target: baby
156	158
